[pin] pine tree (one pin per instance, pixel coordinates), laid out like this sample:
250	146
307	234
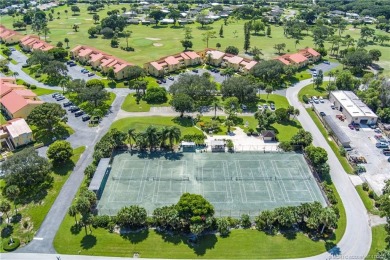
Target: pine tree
247	37
221	31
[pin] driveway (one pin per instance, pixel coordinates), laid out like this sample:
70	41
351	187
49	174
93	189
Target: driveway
75	73
325	67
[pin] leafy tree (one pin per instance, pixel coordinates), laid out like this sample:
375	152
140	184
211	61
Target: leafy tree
221	31
131	217
357	60
268	31
279	47
156	95
366	32
265	118
72	211
375	54
281	115
182	102
328	218
167	217
5	207
231	106
316	155
245	221
7	52
241	87
194	209
114	22
94	92
247	36
157	15
75	27
218	45
187	44
107	32
12	192
75	9
303	138
47	116
202	18
55	69
223	226
270	71
60	152
58	53
111	74
95	18
232	50
257	26
266	221
174	14
27	171
136	72
346	81
319	79
269	90
92	32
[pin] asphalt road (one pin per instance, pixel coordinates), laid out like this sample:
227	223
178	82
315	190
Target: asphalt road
356	241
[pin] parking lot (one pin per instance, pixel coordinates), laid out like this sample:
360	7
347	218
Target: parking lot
75	73
217	77
363	143
324	67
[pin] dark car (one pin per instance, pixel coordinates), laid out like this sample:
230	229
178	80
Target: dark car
86	118
158	81
55	95
91	74
171	78
59	98
67	104
12	49
79	113
195	70
326	62
322	114
72	64
69	62
74	109
216	70
84	71
272	106
163	81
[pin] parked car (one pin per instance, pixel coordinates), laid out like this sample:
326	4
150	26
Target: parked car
74	109
386	152
79	113
216	70
377	130
351	126
265	106
272	106
85	71
158	81
91	74
54	95
388	159
67	104
326	62
195	70
72	64
86	118
321	99
332	107
171	78
12	49
312	69
163	81
322	114
260	107
59	98
382	145
315	99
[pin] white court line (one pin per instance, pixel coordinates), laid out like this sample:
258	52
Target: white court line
241	184
307	187
228	191
155	193
143	182
116	183
276	169
267	183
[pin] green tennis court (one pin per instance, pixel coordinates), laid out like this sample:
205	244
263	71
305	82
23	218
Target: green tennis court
235	183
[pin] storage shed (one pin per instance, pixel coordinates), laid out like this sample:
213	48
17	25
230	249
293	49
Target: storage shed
335	130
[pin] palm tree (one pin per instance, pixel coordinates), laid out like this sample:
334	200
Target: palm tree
152	136
163	135
66	40
216	106
73	212
269	90
64	83
127	35
75	27
131	135
296	112
174	135
66	12
15	74
45	31
13	192
328	218
229	123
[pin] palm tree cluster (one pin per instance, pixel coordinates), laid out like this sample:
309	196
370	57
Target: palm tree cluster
154	137
310	217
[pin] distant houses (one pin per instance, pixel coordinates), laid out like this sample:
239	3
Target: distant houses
33	43
101	61
8	36
15	100
300	59
172	63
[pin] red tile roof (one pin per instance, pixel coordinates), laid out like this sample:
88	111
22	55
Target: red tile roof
283	60
297	58
171	60
192	54
4	90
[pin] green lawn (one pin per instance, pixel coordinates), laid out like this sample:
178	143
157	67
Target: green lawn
141	123
379	236
367	201
310	91
2	119
344	162
278	100
130	104
63	130
34	213
145	38
43	91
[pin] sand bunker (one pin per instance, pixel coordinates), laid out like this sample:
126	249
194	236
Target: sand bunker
157	44
88	19
153	39
70	33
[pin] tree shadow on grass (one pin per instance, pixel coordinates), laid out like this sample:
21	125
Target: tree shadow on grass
169	237
332	248
88	242
75	229
290	235
61	132
64	168
135	237
183	121
204	243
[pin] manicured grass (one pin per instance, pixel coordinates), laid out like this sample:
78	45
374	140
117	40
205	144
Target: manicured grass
222	130
130	104
63	130
170	36
367	201
43	91
310	91
2	119
35	212
141	123
278	100
87	107
379	236
344	162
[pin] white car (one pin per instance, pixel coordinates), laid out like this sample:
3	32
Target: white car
321	99
260	107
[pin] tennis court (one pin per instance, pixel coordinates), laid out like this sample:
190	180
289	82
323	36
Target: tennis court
235	183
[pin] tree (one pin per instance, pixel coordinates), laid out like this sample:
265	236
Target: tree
47	116
218	45
266	220
5	207
60	152
215	105
111	74
265	118
174	14
157	15
231	106
182	103
239	87
131	136
66	12
114	22
58	53
94	92
59	44
232	50
281	115
366	32
375	54
95	18
167	217
66	40
55	69
136	72
27	171
72	211
221	31
107	32
194	209
12	192
317	155
245	221
302	138
92	32
247	36
223	226
40	57
173	135
127	35
328	218
131	217
357	60
206	37
186	44
156	95
346	81
269	90
7	52
15	74
268	31
279	47
270	71
257	26
202	18
319	79
75	27
75	9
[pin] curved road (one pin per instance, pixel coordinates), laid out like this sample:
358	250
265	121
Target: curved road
355	242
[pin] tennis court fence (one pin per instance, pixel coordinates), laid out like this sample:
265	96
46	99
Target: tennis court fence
236	178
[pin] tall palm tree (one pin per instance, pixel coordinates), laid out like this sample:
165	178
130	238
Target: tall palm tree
163	135
216	105
131	135
229	123
15	74
152	136
66	40
45	31
296	112
174	135
64	83
328	218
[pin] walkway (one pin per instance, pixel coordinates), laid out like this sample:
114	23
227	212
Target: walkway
356	241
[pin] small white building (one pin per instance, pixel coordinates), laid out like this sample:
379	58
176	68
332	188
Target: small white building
355	110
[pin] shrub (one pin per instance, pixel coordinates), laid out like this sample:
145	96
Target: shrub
245	221
111	227
377	203
100	221
8	247
33	87
342	151
28	85
305	99
156	95
37	75
90	170
107	32
365	186
233	222
371	194
25	65
25	224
